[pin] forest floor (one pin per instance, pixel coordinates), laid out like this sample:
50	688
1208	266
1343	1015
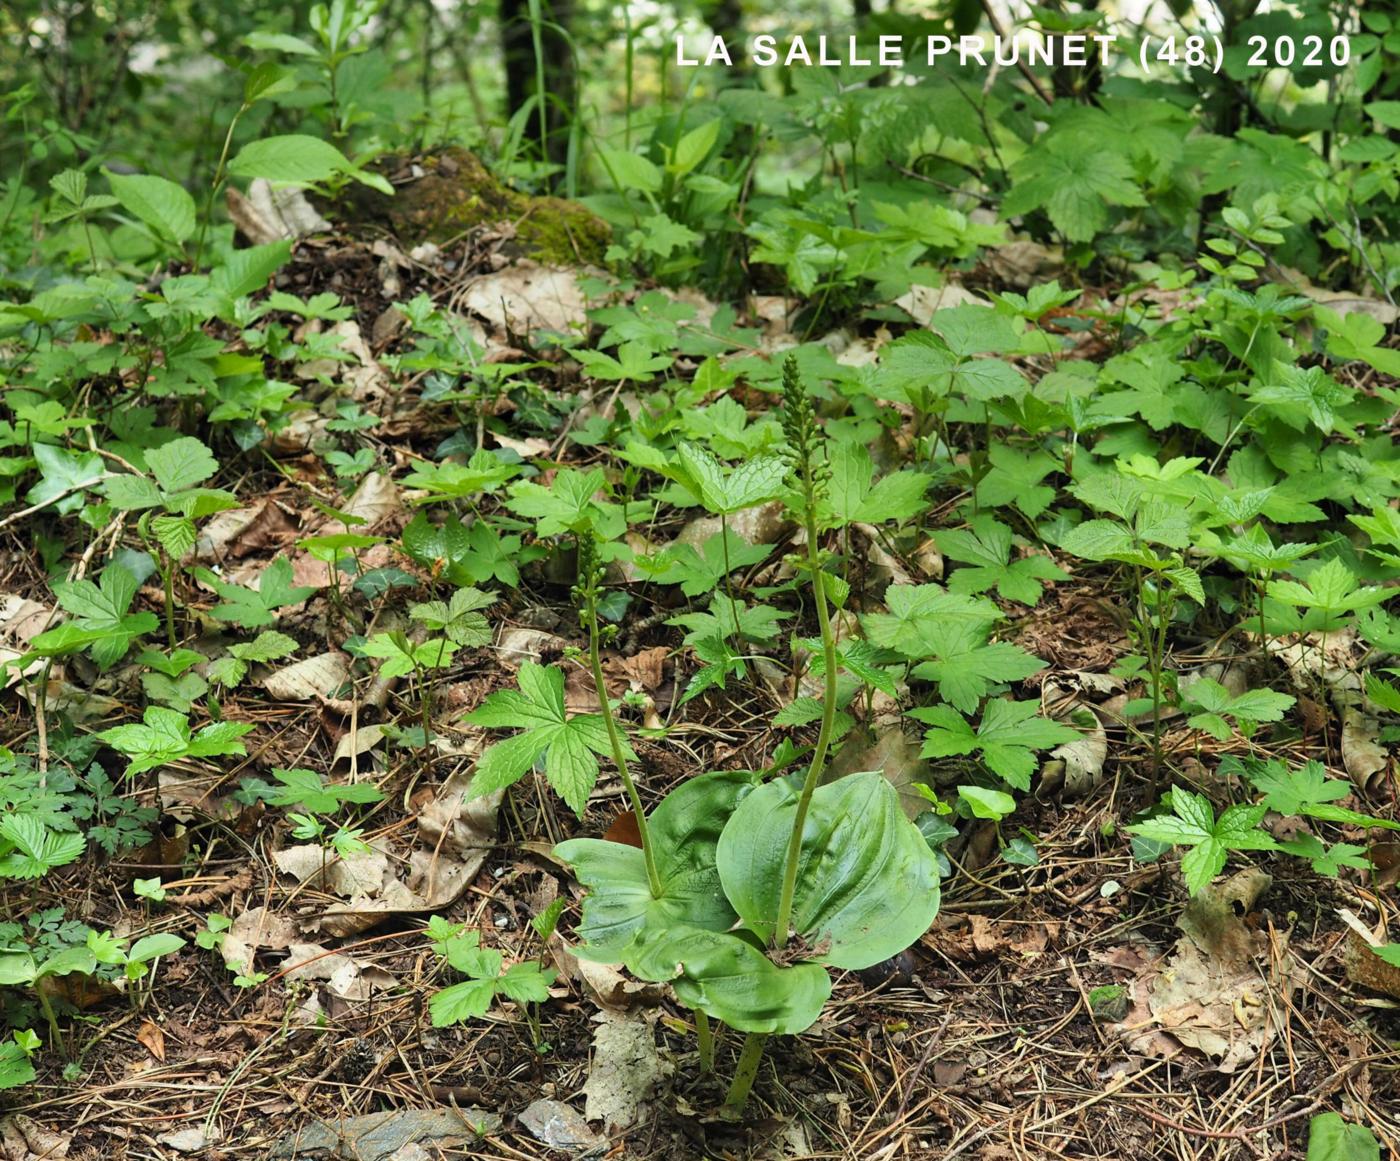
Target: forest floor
1016	1028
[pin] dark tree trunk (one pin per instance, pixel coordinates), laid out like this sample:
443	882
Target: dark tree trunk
560	81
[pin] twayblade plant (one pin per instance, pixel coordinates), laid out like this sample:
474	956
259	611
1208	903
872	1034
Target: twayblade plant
744	892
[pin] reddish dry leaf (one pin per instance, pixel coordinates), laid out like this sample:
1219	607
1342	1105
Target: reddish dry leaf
152	1038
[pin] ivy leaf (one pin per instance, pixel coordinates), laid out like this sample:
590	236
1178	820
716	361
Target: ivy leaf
1008	735
986	545
897	496
1193	824
568	744
1216	703
1075	186
307	789
723	492
401	656
34	848
253	608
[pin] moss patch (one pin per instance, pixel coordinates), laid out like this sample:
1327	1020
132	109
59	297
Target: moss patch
458	194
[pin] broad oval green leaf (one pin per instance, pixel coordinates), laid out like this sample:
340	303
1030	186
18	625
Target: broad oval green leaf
725	976
294	159
164	206
867	883
684	830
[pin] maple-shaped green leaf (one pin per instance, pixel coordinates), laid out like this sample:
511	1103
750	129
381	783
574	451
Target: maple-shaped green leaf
1304	792
1074	185
1193	824
307	789
1305	395
459	619
484	472
1327	860
1331	591
456	1003
703	571
966	666
64	471
635	362
854	497
401	656
1382	525
1007	736
568	504
164	736
725	617
253	608
34	849
569	744
1015	478
100	615
1213	703
914	610
1254	550
986	545
724	491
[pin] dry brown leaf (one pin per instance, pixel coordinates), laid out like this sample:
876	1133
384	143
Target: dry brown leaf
345	977
923	302
1362	753
152	1038
643	671
455	834
625	1070
254	930
268	213
312	677
525	297
23	1139
889	751
1223	990
1082	760
237	532
352	876
21	620
518	645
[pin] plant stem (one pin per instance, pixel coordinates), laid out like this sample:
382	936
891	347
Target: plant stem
214	187
706	1041
746	1071
168	576
809	784
595	662
728	583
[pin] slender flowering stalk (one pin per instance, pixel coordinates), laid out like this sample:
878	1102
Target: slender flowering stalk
590	578
809	475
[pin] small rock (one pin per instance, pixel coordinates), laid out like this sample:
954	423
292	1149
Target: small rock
555	1124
